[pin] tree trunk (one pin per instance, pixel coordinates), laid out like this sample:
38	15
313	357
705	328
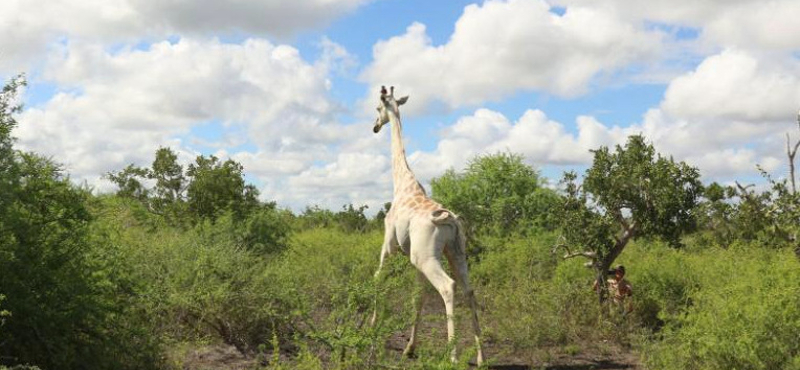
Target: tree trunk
602	287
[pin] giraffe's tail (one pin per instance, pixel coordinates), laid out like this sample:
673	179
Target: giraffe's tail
442	217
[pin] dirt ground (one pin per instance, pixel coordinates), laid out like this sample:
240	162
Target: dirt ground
221	357
591	356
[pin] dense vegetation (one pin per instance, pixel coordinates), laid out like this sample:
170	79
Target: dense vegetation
183	257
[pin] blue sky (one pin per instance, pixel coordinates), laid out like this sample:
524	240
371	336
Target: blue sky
288	88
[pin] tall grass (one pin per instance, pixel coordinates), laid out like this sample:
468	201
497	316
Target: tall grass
308	306
740	309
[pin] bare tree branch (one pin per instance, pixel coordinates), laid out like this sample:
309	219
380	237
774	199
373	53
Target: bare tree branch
570	254
791	153
743	189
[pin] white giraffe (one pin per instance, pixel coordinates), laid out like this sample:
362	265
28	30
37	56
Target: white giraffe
423	230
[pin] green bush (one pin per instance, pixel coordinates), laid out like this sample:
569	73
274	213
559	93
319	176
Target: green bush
329	274
66	298
663	280
65	294
205	282
533	299
743	315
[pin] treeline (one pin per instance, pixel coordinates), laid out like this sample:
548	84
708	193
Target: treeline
192	255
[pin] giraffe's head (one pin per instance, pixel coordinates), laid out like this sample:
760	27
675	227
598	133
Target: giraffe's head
387	105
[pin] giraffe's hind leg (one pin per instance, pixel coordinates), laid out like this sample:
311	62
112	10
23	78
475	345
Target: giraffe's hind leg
458	263
426	255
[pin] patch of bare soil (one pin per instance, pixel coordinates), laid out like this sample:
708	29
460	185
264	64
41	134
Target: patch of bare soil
222	357
499	356
216	357
585	360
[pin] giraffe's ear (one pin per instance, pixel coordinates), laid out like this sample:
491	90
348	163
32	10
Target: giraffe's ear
402	100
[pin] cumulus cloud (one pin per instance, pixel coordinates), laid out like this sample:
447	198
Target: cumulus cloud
118	108
762	25
727	116
707	142
501	47
541	140
731	113
36	24
348	177
751	24
720	150
681	12
736	85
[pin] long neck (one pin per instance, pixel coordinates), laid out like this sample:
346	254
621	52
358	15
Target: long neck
401	173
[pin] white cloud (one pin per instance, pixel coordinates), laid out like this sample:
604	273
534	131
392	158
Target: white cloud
118	108
361	178
750	24
726	163
501	47
765	25
276	17
541	140
736	85
37	24
720	150
683	12
349	169
730	114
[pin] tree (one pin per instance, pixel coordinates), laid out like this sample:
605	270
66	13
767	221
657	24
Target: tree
167	195
380	216
791	152
63	305
352	219
217	186
627	194
8	164
314	217
716	213
129	182
170	187
771	217
497	193
207	189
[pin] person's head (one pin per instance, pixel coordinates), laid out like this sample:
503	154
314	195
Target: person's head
619	272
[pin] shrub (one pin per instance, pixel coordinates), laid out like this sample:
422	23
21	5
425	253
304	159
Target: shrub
329	274
206	282
743	316
61	288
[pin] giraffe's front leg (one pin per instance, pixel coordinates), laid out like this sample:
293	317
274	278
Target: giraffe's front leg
389	240
384	254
